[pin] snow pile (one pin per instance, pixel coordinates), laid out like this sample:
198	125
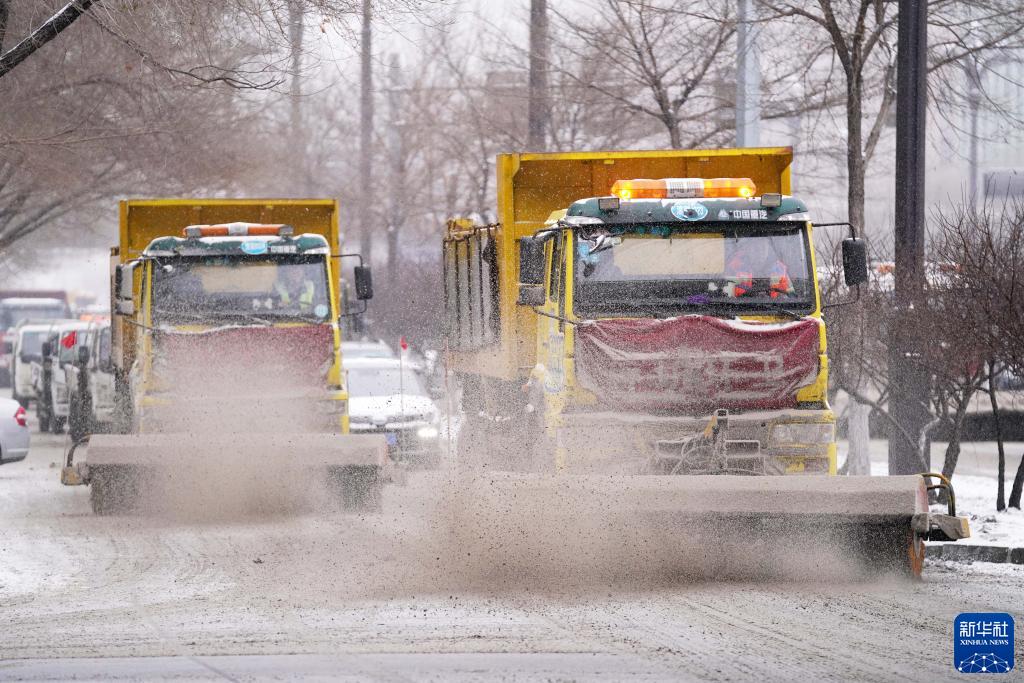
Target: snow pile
976	500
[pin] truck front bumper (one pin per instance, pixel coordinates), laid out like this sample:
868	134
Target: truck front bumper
771	442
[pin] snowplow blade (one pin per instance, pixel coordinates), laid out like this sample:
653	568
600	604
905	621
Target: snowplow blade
124	469
752	524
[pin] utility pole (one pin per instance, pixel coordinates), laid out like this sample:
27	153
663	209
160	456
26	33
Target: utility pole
298	130
396	149
972	151
908	381
748	77
539	113
365	184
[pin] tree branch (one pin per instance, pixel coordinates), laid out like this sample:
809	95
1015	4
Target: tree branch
42	35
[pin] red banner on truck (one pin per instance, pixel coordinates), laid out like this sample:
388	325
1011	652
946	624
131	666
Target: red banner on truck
697	363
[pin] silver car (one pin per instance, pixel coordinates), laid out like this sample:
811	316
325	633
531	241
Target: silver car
14	436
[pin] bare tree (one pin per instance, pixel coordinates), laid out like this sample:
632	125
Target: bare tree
682	90
40	36
984	248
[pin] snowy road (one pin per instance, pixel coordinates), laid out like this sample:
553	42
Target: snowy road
331	595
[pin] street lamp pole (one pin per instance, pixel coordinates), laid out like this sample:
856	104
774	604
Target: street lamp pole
908	381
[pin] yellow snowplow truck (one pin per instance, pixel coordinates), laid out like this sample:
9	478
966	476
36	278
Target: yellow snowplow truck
226	348
640	335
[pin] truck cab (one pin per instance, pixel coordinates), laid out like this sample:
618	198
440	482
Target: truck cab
226	289
676	304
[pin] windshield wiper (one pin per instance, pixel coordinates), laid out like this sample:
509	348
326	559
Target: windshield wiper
244	316
773	308
181	315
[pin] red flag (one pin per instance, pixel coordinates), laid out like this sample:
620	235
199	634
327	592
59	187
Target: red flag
404	344
69	339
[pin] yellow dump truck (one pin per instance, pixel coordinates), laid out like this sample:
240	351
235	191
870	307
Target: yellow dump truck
226	342
638	322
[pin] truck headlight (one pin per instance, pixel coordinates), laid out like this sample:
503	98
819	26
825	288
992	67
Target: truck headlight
428	432
803	433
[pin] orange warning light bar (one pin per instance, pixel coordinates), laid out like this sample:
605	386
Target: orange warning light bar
684	188
238	230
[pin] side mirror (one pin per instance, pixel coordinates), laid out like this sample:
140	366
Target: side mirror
531	262
119	283
531	295
84	355
855	261
123	302
364	283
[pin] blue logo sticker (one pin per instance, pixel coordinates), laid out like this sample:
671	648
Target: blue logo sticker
983	643
689	211
254	247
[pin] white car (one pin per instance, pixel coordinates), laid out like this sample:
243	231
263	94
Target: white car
89	379
52	406
28	349
386	396
13	310
365	349
14	436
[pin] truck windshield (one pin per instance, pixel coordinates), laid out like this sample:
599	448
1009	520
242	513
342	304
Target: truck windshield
240	290
732	268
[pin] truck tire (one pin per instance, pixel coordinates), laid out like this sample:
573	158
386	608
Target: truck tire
892	550
110	491
43	414
79	420
470	445
361	489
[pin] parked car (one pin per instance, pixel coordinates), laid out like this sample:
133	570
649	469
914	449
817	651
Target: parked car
90	382
19	305
48	379
6	357
385	396
366	349
14	436
28	348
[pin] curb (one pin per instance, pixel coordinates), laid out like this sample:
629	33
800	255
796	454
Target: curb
975	553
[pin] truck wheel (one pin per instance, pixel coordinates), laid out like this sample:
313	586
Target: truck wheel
431	460
44	418
109	491
78	421
74	421
361	488
470	445
892	550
